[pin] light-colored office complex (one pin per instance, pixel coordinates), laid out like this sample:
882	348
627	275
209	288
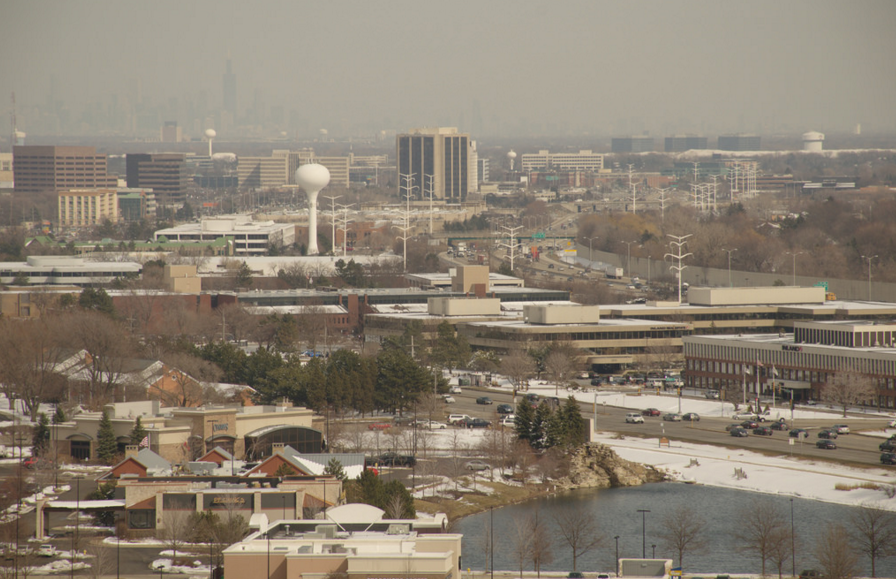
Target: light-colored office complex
258	172
584	160
337	166
440	155
86	207
67	270
249	237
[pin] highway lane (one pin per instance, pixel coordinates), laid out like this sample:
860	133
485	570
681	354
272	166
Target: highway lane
851	448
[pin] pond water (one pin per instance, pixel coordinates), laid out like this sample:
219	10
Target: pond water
616	514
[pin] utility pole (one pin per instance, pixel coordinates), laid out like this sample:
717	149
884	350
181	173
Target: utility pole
869	258
333	199
431	188
511	245
345	222
632	188
679	243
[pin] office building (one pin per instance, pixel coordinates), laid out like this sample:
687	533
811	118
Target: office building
440	155
483	170
799	364
6	176
354	541
170	133
249	237
739	143
136	204
67	270
86	207
337	166
258	172
48	168
584	160
631	144
681	143
164	173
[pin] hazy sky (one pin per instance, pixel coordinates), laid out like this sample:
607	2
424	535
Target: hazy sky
600	67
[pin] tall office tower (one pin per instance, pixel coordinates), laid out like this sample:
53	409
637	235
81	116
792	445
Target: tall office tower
48	168
634	144
164	173
171	133
681	143
229	89
739	142
441	152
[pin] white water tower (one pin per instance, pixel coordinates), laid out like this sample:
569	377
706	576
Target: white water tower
813	141
312	178
210	134
511	155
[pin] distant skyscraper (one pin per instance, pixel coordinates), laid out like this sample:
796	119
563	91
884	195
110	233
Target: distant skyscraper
229	89
631	144
681	143
739	142
441	152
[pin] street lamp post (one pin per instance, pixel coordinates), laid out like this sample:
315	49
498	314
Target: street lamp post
730	251
794	254
591	250
869	258
628	264
617	554
792	539
643	532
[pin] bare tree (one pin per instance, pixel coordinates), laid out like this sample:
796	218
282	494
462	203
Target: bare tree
454	466
176	529
522	540
519	367
874	533
542	548
395	506
836	556
29	357
189	378
108	346
846	389
102	561
761	524
579	529
560	367
781	550
683	531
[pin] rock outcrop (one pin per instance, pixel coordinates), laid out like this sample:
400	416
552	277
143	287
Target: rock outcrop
595	465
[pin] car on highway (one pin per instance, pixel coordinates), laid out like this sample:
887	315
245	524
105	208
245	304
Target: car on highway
891	424
840	428
739	432
504	409
672	417
448	399
455	390
650	412
634	418
749	424
763	431
745	416
476	465
731	427
533	398
798	433
691	417
826	444
780	425
827	433
483	400
550	266
888	445
888	458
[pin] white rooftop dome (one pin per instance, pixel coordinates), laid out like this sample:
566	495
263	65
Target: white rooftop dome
312	177
813	136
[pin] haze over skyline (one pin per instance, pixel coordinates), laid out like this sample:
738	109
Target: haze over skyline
496	68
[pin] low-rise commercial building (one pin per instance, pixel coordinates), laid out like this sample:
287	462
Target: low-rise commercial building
66	270
249	237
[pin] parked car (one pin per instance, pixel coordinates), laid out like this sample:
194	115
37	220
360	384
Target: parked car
826	444
763	431
811	574
596	382
476	465
891	424
448	399
691	417
475	423
634	418
508	421
672	417
47	550
749	424
827	433
575	575
483	400
456	419
799	433
840	428
395	459
650	412
379	426
888	458
739	432
430	424
712	394
533	398
780	425
504	409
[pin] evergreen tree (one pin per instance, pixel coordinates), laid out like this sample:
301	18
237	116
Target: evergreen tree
59	416
334	468
243	276
395	490
525	418
542	430
40	440
106	443
96	299
573	423
104	492
138	433
284	470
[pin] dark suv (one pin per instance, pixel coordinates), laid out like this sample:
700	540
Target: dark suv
504	409
395	459
888	445
888	458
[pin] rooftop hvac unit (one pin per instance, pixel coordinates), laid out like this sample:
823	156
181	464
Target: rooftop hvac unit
328	531
398	530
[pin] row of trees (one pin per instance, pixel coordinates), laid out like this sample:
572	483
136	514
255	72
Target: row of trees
543	427
762	530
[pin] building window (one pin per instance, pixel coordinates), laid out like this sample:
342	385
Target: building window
142	519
